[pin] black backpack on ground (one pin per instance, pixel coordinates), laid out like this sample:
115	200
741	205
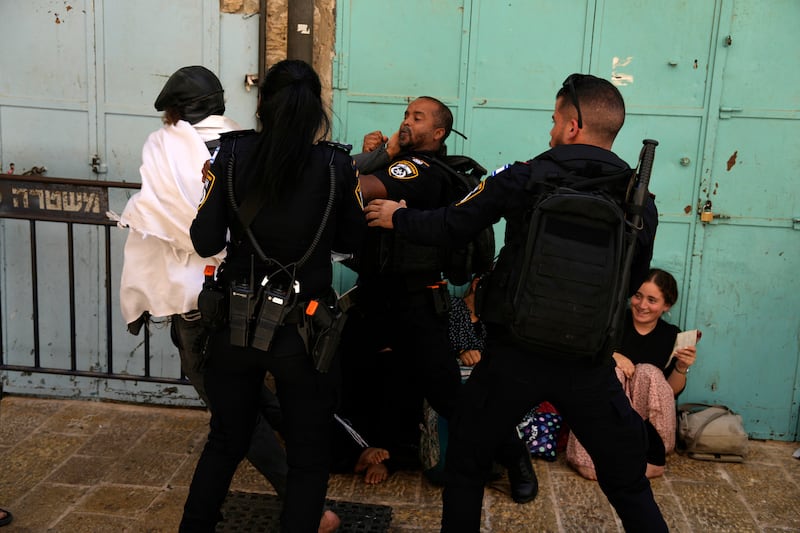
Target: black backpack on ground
564	293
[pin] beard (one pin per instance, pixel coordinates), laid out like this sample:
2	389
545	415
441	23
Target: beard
404	139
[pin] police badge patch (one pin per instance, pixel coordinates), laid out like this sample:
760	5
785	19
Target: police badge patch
403	170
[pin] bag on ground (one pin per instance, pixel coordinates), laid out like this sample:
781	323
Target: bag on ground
711	433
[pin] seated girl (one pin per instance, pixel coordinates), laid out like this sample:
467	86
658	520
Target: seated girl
651	371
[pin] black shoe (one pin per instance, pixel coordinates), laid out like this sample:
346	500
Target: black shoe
524	484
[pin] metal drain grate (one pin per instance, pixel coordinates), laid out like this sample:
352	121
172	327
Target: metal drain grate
260	513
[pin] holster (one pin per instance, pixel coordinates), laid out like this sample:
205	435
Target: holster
440	298
327	323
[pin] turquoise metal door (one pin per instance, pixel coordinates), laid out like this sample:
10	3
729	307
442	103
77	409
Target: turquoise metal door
744	283
81	104
499	65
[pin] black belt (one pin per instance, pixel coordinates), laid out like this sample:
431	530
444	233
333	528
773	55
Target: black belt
295	314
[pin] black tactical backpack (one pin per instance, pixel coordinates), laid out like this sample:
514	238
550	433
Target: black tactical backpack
563	293
460	264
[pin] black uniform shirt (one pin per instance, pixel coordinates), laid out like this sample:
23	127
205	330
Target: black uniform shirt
412	178
504	194
284	229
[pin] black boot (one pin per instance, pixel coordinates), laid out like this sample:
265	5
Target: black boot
524	485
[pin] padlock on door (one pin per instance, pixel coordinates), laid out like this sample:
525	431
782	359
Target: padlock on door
706	215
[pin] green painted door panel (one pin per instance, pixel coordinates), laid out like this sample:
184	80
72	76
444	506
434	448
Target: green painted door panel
725	114
747	310
762	58
85	85
755	179
744	277
520	52
658	51
407	48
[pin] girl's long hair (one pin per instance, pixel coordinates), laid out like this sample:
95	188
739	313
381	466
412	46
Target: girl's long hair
293	118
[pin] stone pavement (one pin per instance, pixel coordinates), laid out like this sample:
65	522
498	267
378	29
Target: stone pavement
84	466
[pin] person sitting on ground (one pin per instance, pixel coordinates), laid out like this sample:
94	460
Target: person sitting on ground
650	375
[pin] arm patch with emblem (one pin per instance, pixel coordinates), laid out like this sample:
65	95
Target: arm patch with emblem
403	170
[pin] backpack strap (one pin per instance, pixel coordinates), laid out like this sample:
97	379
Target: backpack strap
250	214
562	178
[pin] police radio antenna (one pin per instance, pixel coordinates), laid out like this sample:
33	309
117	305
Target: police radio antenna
459	134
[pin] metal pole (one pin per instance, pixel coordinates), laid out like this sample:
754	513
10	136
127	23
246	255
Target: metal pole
300	33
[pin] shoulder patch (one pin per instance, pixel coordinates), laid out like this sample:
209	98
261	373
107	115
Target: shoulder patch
208	183
472	194
403	170
499	170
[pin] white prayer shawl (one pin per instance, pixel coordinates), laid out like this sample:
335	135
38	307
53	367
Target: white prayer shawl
162	274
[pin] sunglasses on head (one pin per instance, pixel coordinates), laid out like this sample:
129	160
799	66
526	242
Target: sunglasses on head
569	85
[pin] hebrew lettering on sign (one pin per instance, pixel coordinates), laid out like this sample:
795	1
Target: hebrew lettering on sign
53	201
87	202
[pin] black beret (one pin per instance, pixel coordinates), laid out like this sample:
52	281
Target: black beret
195	91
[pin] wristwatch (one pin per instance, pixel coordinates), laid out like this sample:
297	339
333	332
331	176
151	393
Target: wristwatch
678	370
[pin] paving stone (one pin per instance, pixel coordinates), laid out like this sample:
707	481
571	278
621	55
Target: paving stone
118	500
714	507
183	474
75	466
33	460
402	486
42	506
81	470
582	505
144	467
164	514
113	441
77	522
80	419
19	417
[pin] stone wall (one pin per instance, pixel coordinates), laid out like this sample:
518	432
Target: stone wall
277	19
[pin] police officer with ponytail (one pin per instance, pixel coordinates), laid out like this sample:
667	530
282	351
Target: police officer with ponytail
287	199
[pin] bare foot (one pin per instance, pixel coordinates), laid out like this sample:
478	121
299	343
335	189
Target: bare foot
587	472
654	471
370	456
376	474
329	522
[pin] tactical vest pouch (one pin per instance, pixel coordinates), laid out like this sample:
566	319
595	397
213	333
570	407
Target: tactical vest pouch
275	304
569	285
398	255
440	298
212	301
241	303
491	304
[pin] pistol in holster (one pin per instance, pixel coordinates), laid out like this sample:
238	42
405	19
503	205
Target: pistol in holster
440	297
327	323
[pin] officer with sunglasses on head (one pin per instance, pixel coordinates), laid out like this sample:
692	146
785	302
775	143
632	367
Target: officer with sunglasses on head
589	112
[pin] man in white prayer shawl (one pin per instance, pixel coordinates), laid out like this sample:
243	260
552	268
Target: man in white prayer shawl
162	274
